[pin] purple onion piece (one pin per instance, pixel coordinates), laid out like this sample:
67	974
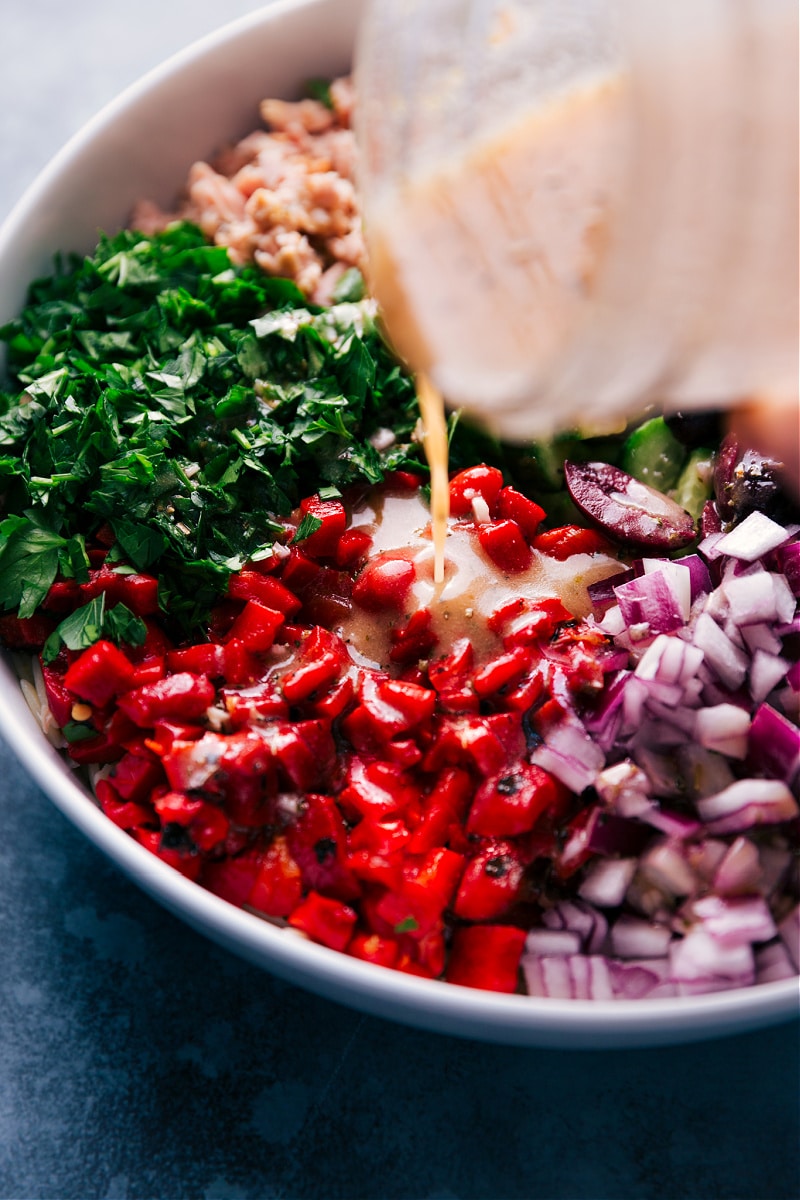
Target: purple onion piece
627	510
774	744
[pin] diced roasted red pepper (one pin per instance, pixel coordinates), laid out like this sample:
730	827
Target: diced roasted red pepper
384	583
490	884
183	859
376	789
486	956
135	777
516	507
139	593
59	700
183	696
501	671
206	658
352	547
99	674
414	640
427	888
510	802
148	672
445	804
567	540
252	585
312	674
123	813
371	947
317	843
324	920
233	878
323	541
481	481
278	886
505	545
375	850
256	626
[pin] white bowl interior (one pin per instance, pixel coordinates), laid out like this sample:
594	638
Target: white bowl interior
142	145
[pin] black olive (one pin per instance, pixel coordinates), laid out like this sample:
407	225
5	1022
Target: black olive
695	429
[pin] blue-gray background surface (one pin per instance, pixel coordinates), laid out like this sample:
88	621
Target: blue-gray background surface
139	1061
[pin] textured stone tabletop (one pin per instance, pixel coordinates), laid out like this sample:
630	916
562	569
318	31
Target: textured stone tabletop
137	1060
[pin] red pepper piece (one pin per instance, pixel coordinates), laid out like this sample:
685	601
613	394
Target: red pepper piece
490	884
485	482
298	570
445	804
414	640
511	802
403	481
486	743
99	674
256	626
371	947
384	583
507	612
376	789
64	596
167	732
325	920
183	695
313	675
323	541
176	808
278	887
59	700
260	700
149	671
459	699
352	547
139	593
567	540
240	665
96	750
335	701
123	813
187	861
210	828
233	878
317	842
134	777
501	671
26	633
327	600
516	507
505	545
540	623
526	693
452	668
415	704
486	956
427	888
206	658
252	585
375	850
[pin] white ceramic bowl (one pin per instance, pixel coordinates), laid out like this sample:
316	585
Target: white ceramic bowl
142	145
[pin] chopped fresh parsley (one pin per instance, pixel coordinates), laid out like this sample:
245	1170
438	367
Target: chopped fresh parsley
88	624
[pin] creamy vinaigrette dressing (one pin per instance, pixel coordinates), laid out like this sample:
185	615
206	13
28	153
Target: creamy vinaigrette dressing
472	589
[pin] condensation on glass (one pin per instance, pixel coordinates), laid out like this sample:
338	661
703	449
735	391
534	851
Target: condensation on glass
575	207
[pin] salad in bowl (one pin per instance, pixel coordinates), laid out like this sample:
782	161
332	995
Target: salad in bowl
551	797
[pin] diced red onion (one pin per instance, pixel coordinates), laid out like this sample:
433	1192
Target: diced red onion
641	979
774	744
590	925
625	788
674	825
551	942
578	977
666	866
752	538
601	592
699	577
608	834
654	600
708	546
789	559
570	754
726	659
735	922
739	872
762	637
632	937
699	962
766	672
607	880
747	802
708	772
775	863
759	597
723	728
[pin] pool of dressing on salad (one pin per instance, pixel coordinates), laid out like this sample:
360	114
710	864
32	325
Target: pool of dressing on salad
473	586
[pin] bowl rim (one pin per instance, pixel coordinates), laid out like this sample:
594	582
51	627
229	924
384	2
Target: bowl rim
432	1004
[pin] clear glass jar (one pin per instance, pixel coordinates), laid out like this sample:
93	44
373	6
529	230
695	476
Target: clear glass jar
577	207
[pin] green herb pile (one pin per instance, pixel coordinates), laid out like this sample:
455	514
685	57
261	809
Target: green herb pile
186	403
